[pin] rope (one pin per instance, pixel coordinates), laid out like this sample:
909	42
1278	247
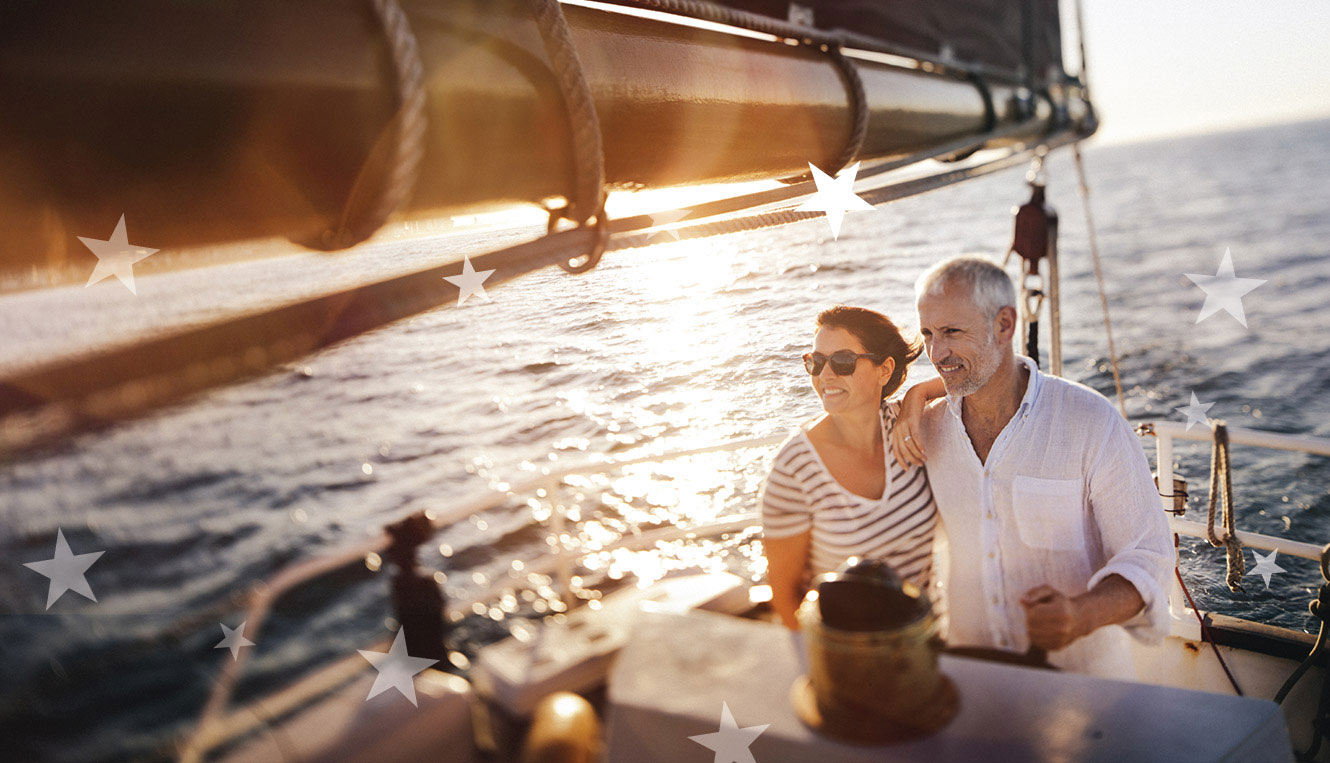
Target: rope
588	199
1206	635
358	219
1221	476
854	86
1099	276
1055	308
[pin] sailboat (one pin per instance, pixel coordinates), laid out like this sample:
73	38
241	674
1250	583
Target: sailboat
324	127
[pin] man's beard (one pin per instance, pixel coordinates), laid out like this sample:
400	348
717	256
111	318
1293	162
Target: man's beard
985	365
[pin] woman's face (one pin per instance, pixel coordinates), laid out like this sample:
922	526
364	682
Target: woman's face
861	389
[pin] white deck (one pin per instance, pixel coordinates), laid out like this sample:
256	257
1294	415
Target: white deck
672	678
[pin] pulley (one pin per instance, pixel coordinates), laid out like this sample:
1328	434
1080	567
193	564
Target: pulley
1035	240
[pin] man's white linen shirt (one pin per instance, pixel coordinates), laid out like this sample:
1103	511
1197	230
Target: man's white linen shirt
1065	499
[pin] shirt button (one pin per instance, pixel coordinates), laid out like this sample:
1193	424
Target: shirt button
995	600
989	515
991	555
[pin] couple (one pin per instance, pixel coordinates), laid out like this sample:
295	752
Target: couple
1047	524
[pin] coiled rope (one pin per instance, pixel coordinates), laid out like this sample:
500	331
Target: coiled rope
1221	477
587	203
854	87
374	198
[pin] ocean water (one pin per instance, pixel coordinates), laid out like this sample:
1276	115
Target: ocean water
672	346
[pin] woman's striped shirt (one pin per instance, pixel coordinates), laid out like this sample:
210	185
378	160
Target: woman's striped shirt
800	495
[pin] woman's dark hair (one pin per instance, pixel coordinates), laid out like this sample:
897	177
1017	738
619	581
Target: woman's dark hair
878	335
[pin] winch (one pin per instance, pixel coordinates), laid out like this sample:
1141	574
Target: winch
872	644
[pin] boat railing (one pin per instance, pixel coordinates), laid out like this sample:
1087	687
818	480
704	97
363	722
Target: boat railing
1165	432
559	563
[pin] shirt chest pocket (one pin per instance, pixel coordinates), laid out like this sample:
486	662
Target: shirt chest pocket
1049	513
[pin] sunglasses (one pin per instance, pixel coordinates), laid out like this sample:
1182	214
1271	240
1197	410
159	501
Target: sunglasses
843	362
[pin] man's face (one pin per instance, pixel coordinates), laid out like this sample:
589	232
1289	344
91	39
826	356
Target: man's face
959	340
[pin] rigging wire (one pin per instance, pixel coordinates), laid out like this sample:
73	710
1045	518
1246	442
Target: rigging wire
1099	276
1206	635
968	145
810	35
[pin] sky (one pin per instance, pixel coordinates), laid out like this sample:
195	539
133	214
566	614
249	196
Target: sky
1167	67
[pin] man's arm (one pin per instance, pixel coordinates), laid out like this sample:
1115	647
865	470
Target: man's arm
911	452
1131	588
1054	619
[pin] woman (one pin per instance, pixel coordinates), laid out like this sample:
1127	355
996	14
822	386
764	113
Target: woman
836	489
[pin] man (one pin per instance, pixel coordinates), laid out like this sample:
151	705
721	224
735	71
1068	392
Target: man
1056	535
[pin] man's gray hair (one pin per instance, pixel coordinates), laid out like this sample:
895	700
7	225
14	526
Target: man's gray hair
987	283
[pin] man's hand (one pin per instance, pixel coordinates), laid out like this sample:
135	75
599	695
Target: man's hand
905	445
1052	619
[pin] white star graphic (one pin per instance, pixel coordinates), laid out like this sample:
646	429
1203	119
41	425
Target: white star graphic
730	743
469	282
1195	412
115	257
65	570
235	638
667	217
1265	566
1224	290
396	668
834	196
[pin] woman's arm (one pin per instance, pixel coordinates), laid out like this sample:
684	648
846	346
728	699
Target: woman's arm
787	559
911	451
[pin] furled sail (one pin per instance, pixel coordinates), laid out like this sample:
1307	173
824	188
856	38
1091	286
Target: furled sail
208	122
